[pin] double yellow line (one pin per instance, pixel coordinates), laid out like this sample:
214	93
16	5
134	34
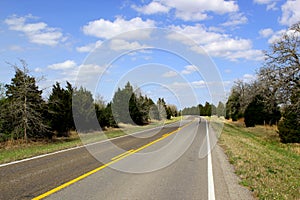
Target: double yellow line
113	160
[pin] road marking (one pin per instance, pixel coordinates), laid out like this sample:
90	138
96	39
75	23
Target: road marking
119	157
122	154
78	147
210	177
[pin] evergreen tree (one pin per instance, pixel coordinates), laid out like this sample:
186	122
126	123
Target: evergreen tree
257	113
25	106
60	109
84	110
220	109
233	106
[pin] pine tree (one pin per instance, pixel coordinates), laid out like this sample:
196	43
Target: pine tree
60	109
25	106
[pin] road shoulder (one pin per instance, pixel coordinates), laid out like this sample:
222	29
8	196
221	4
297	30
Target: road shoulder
234	189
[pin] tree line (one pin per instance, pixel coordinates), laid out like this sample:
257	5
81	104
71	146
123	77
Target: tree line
24	114
208	109
273	98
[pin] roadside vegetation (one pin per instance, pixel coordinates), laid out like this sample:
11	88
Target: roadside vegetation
269	168
26	116
273	97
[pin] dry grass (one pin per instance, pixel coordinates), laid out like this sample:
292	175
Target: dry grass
267	167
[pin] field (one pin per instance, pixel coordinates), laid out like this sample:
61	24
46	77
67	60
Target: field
270	169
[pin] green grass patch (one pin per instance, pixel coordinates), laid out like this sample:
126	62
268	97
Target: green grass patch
17	150
267	167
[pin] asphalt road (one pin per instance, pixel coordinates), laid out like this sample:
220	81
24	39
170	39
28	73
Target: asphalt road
170	164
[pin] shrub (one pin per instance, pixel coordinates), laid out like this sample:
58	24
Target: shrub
288	127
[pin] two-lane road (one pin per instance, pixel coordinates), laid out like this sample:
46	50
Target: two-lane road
167	165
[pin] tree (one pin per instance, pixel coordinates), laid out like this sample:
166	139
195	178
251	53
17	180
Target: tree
130	106
258	113
173	110
84	110
25	105
281	71
281	77
206	109
60	109
162	108
220	109
120	104
233	105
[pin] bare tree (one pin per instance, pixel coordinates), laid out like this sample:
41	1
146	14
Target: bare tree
281	73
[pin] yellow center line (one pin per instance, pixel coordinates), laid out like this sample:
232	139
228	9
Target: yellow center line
122	154
114	160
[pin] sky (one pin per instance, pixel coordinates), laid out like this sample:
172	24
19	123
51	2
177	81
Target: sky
186	51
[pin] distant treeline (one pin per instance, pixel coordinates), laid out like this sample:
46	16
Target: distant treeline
24	114
206	110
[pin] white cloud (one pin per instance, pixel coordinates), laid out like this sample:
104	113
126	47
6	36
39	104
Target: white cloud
214	43
107	29
251	54
290	12
38	33
152	8
170	74
189	69
271	4
189	10
85	75
236	19
267	32
119	45
68	64
276	36
199	83
89	47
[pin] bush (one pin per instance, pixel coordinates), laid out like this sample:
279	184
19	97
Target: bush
288	128
258	113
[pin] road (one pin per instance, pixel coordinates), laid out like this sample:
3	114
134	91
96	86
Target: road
170	164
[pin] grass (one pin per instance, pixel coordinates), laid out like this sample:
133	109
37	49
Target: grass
17	150
267	167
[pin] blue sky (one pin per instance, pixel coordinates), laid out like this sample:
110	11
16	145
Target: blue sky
58	40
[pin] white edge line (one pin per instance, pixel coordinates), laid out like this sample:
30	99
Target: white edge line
211	186
78	147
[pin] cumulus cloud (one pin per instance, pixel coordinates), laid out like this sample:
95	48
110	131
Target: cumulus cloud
271	4
276	36
151	8
119	45
106	29
38	33
267	32
170	74
290	12
199	83
236	19
68	64
215	44
89	47
189	69
189	10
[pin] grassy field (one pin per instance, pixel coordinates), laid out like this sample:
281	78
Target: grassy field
11	151
267	167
